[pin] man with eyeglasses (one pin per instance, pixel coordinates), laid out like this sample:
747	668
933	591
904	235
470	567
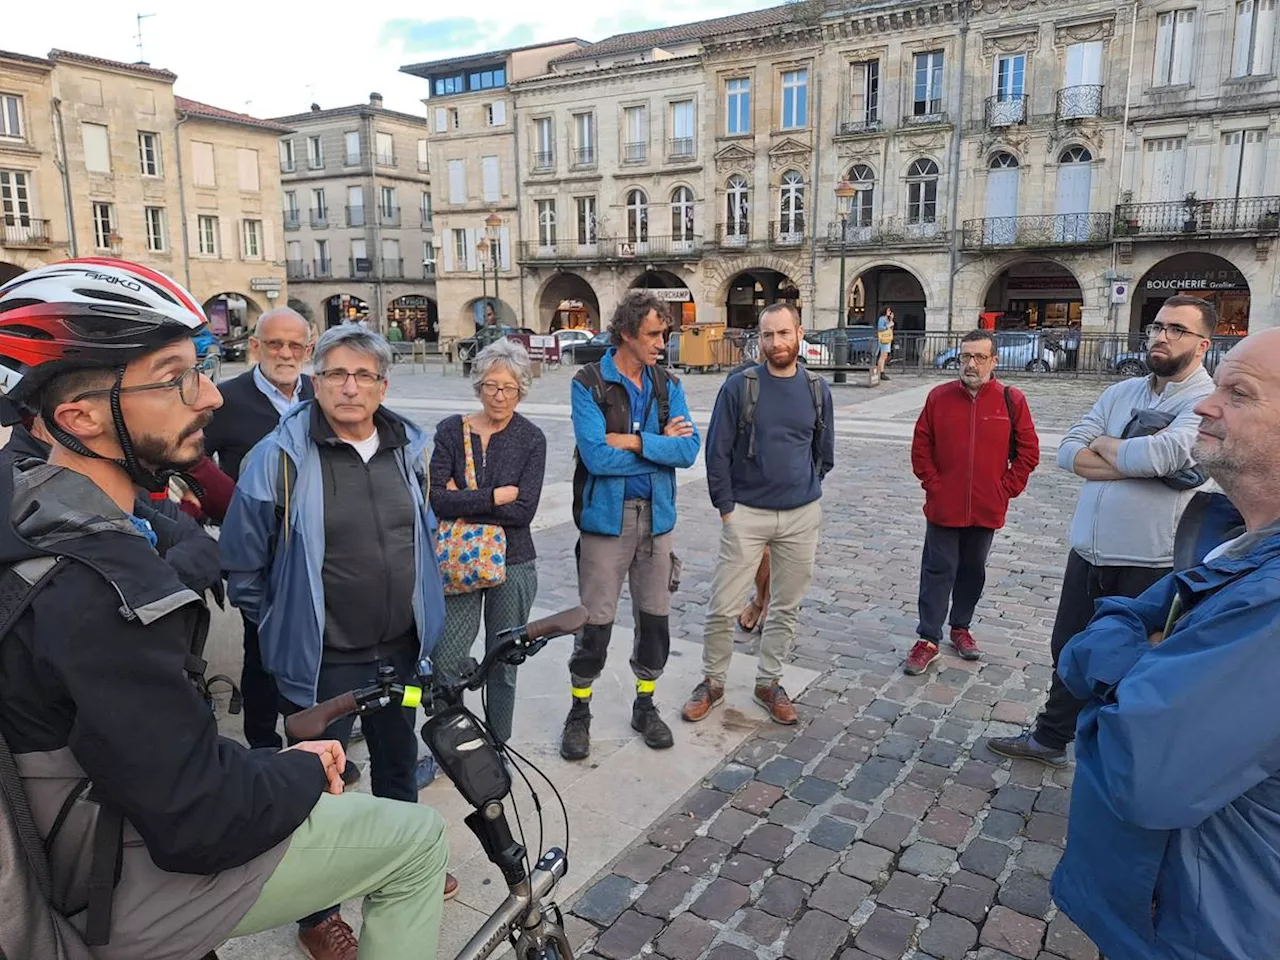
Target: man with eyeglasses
329	547
974	449
1134	451
252	405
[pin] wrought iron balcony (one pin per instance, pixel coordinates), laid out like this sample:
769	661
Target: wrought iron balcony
649	248
885	232
1051	230
533	251
322	268
1080	103
427	226
543	161
389	216
733	236
658	248
353	159
788	233
315	163
428	270
24	232
387	160
584	157
635	152
1005	111
320	219
851	128
1230	217
392	269
424	166
355	216
292	220
934	116
680	148
288	166
295	269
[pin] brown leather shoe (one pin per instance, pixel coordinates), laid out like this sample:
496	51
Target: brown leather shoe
450	886
706	696
331	939
774	699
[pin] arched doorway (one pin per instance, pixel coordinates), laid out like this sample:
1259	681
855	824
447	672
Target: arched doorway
418	317
232	315
1033	294
751	291
486	310
342	307
567	301
887	286
681	308
8	271
1200	275
303	309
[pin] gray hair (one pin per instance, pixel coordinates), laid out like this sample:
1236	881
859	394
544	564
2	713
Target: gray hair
505	353
277	313
358	339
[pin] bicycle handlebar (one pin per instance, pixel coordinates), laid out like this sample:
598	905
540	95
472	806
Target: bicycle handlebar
310	724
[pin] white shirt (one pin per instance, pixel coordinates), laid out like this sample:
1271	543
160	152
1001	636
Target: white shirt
278	400
1222	548
366	447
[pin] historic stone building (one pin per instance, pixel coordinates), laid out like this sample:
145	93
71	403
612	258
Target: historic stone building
357	217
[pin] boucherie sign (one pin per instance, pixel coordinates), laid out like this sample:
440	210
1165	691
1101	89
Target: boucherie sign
1197	280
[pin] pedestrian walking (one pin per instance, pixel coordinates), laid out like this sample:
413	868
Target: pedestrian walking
329	548
884	340
633	430
1175	805
486	482
770	443
252	405
975	447
1133	450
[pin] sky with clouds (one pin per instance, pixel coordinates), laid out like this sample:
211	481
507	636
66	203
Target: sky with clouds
273	58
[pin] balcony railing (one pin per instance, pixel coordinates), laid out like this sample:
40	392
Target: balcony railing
427	222
934	115
788	233
288	166
322	268
428	271
1003	110
392	269
606	248
387	160
864	124
24	232
635	152
360	267
544	160
1242	217
886	232
355	216
320	219
315	163
424	166
584	156
534	250
292	220
295	269
733	236
1052	230
658	248
353	159
680	148
1080	103
389	216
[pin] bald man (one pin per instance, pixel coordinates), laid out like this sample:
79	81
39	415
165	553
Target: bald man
1173	846
252	405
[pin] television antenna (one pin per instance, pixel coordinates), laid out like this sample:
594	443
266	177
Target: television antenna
140	17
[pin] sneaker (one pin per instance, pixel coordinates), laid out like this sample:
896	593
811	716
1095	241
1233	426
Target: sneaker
921	655
357	732
1026	747
964	643
774	699
450	886
331	939
425	772
706	697
575	742
645	721
884	376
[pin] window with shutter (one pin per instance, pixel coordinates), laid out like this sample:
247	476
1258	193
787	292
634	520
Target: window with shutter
442	120
203	172
247	170
491	179
97	147
457	181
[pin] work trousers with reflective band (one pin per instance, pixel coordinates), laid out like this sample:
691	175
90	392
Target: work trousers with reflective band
642	560
792	539
390	853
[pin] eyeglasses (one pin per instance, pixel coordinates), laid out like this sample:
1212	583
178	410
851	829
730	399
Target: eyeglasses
280	346
974	357
186	383
1172	331
338	378
491	389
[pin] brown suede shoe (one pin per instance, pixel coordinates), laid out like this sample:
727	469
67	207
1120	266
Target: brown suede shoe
450	886
706	696
331	939
774	699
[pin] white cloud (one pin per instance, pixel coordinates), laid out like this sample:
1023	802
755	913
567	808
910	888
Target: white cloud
271	58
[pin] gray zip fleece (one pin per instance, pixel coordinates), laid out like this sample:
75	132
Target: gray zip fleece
1132	522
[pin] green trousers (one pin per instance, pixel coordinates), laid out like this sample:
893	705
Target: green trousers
391	853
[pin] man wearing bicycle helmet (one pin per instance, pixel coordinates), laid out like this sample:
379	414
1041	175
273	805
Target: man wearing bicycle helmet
204	839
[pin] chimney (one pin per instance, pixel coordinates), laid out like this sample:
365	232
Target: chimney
315	108
375	100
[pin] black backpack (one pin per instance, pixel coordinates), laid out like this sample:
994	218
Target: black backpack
751	399
615	404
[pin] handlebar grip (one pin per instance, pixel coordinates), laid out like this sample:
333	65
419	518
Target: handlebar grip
558	624
310	724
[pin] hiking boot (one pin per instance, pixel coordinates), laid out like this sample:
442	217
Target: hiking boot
646	722
774	699
330	939
450	886
706	697
350	774
964	643
918	660
1026	747
575	742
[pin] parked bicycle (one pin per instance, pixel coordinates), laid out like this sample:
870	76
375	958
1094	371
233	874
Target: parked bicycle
481	769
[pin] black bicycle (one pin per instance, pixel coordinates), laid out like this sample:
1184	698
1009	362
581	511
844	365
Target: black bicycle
481	770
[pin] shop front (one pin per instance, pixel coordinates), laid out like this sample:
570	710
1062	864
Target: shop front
1201	275
416	316
1035	294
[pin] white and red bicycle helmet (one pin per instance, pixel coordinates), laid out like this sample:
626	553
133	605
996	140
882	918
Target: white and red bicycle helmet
88	313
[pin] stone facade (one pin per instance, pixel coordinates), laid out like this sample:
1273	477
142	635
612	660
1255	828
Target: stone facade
357	216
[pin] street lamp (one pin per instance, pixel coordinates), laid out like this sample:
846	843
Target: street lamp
845	192
482	250
492	228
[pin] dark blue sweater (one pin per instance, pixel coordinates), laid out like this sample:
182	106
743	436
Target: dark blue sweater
782	476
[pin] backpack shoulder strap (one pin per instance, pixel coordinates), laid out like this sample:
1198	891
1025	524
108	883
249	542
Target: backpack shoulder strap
661	393
1013	426
286	477
747	407
591	378
819	424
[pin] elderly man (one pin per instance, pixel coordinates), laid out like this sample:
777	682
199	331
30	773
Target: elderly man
329	549
252	405
1174	838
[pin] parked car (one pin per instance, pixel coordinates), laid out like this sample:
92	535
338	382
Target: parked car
861	339
1133	363
1017	350
570	336
589	351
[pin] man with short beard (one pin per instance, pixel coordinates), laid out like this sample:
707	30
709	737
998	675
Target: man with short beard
768	450
1136	487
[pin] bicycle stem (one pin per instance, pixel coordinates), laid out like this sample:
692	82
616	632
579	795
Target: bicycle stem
523	905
